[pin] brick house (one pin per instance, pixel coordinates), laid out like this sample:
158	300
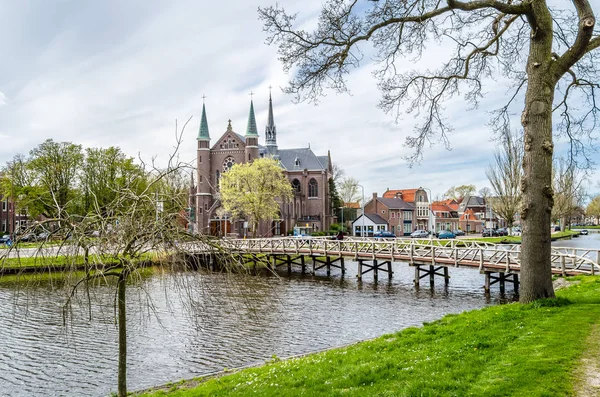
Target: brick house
446	215
419	199
398	214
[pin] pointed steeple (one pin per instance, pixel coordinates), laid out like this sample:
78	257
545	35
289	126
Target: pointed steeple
251	130
271	130
203	133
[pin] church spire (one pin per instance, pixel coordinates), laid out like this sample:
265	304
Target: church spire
203	133
251	130
270	130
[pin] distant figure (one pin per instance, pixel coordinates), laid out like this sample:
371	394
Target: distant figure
340	235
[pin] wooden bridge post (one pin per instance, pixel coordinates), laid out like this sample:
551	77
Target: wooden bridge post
303	264
417	274
328	263
502	279
446	276
359	275
289	264
375	268
516	282
412	251
481	260
597	261
563	267
314	260
390	273
431	275
342	265
486	286
456	256
432	255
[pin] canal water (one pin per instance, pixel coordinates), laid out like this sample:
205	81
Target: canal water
228	321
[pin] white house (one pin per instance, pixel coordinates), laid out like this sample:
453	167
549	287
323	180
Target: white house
367	224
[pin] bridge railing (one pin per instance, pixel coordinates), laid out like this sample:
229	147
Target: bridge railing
449	252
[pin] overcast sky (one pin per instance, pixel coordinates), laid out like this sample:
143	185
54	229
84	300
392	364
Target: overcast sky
119	73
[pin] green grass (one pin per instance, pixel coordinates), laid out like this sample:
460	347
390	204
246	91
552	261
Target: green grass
510	350
585	227
59	261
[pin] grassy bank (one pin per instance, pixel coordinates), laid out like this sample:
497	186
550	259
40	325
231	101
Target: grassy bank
510	350
585	227
517	239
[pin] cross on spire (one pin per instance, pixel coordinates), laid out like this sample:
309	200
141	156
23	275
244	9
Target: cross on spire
270	90
251	95
203	98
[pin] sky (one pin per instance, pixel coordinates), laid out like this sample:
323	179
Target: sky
121	73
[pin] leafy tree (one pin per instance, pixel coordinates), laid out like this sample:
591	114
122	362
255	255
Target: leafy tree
549	53
251	190
335	200
461	191
348	189
505	177
104	172
593	208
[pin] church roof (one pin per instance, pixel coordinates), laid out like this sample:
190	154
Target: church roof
300	159
251	129
203	132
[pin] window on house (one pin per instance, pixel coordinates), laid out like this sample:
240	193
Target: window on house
296	185
408	215
4	205
313	188
407	228
297	162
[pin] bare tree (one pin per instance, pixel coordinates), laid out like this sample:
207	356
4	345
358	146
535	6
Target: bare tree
505	177
348	190
548	52
461	191
568	191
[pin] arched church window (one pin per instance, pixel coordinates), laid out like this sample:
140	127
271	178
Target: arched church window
313	188
228	163
296	185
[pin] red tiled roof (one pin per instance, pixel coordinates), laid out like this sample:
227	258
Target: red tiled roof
472	216
352	204
408	195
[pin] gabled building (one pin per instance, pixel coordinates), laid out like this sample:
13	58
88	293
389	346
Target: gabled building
308	174
398	214
419	199
446	218
12	220
470	222
367	224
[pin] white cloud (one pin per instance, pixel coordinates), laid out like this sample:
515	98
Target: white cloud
126	83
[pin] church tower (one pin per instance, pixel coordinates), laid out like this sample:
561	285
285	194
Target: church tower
271	132
251	136
203	195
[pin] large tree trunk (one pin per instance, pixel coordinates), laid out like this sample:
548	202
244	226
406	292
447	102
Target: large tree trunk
122	377
537	194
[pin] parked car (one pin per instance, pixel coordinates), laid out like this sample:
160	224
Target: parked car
43	236
446	234
384	234
584	232
458	232
557	228
5	239
502	232
419	234
27	237
488	233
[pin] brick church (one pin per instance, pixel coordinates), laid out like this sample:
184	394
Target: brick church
310	208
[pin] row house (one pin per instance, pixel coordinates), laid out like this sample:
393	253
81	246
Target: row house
418	198
399	215
445	215
11	221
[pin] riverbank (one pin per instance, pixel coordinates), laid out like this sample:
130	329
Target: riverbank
567	234
517	350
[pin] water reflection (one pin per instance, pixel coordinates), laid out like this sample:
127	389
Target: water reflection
231	321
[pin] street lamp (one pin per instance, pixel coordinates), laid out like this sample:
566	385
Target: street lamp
342	208
362	204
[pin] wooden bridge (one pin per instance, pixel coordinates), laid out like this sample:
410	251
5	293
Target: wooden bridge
499	262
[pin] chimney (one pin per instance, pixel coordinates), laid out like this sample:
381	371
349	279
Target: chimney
374	196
